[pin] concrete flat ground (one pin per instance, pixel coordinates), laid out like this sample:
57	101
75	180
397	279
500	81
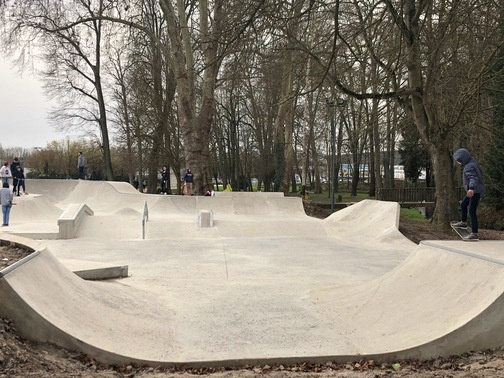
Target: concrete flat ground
265	284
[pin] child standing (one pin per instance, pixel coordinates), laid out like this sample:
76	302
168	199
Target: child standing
6	198
5	173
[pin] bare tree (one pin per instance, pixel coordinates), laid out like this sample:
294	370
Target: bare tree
73	57
433	66
437	39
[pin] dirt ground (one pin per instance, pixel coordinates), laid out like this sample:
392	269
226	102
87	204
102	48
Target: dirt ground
21	358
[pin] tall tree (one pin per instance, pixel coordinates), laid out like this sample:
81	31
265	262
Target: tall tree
494	159
72	53
445	49
216	25
437	38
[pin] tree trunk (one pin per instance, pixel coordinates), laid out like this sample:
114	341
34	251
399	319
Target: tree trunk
195	125
316	167
375	131
446	200
107	160
434	134
281	134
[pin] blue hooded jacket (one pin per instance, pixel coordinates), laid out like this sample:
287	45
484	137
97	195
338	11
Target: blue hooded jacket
472	176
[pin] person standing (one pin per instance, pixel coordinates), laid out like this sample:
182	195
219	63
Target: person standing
5	173
188	182
472	179
19	179
13	167
6	198
165	175
81	166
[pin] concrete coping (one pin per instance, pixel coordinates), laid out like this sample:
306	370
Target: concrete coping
71	218
32	246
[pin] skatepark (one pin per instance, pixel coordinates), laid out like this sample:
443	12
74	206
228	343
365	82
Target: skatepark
240	278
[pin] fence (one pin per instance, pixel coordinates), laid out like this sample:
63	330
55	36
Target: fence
411	195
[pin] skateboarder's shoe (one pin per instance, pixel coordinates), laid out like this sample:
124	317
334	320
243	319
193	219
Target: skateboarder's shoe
471	237
460	224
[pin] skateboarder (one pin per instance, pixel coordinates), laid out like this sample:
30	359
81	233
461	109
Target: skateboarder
472	179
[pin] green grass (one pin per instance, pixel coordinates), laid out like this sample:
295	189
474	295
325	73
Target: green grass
413	214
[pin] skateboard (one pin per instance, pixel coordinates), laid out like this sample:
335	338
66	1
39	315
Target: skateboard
461	231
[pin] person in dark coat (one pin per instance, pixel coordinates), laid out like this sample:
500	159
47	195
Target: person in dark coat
472	179
20	180
165	175
15	163
188	182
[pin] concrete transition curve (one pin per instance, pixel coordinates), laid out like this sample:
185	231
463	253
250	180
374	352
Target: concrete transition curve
265	284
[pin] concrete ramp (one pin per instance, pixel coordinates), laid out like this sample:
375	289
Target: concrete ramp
34	216
33	208
368	222
265	284
54	190
96	318
105	197
440	301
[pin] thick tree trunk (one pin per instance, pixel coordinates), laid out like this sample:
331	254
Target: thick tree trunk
446	200
282	141
433	133
195	125
197	152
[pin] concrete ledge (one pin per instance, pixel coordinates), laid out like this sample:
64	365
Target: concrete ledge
71	218
103	273
36	235
205	218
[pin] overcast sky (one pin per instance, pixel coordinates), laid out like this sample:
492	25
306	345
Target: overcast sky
23	110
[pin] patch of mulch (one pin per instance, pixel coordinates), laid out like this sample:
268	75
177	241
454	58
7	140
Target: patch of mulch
11	253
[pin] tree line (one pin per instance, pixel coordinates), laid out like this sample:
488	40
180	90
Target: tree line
270	88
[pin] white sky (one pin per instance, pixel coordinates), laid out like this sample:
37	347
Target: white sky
23	110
